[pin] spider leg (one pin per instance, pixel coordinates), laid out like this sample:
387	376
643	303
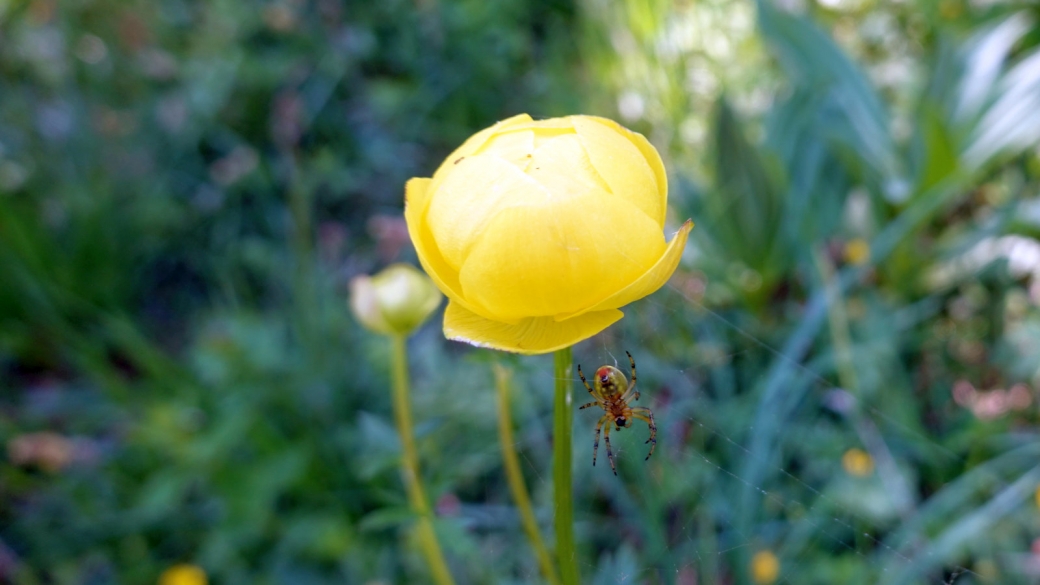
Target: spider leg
587	387
645	414
631	393
633	364
610	453
595	444
584	406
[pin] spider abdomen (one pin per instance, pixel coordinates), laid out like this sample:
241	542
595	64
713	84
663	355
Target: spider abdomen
610	381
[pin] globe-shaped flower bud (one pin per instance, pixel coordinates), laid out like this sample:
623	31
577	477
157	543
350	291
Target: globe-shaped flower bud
395	301
538	231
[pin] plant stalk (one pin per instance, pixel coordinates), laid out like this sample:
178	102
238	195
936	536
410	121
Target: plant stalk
891	477
410	467
563	491
516	478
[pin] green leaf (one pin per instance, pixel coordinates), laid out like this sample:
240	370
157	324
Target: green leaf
964	530
815	62
745	206
940	151
386	518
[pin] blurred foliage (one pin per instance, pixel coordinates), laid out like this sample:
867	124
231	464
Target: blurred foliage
185	189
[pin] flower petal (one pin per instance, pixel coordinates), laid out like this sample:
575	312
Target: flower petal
417	194
563	167
654	160
465	200
416	199
623	165
561	256
529	336
514	146
653	279
549	127
365	304
475	142
545	130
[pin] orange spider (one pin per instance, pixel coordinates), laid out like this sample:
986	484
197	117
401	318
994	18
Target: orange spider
608	383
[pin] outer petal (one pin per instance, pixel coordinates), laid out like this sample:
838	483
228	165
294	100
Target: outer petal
416	200
549	127
559	257
529	336
542	130
512	145
653	159
475	142
365	305
622	165
466	199
650	281
563	167
417	194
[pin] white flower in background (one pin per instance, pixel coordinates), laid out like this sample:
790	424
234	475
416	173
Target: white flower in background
1021	253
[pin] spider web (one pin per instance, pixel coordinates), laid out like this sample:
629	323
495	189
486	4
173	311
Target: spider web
801	514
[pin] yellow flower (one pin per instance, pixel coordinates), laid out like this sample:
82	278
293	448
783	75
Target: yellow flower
183	574
857	251
395	301
538	231
765	567
857	462
1036	497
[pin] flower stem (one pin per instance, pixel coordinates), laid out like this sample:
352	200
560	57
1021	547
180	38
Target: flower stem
562	488
410	467
516	479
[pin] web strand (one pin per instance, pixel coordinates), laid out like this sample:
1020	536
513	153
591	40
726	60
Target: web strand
787	360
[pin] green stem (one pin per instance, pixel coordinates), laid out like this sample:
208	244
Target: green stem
410	467
839	324
516	479
562	488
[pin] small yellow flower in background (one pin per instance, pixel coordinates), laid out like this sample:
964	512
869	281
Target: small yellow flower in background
857	251
395	301
765	567
1036	496
857	462
183	574
538	231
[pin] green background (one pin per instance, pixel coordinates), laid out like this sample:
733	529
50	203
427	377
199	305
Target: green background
187	187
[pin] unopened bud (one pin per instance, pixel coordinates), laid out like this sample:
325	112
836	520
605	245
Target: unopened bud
395	301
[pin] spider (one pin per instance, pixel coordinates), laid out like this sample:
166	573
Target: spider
608	383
